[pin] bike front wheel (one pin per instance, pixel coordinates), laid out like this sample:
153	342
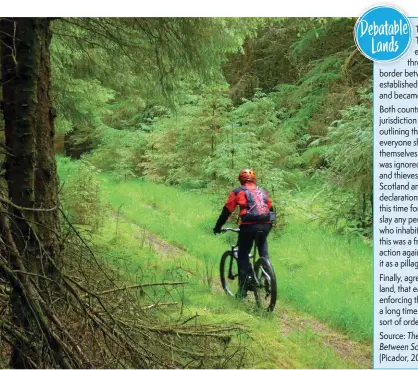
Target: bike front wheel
229	273
266	289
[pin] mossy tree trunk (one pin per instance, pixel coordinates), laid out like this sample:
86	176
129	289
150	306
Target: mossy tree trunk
30	166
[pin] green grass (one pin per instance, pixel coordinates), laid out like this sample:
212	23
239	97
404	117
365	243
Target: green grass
283	340
319	272
326	275
321	276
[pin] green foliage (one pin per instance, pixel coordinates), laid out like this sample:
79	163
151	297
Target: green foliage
171	51
134	114
264	62
309	96
323	74
349	176
83	139
291	111
79	100
319	38
350	151
179	145
81	194
246	141
119	151
314	157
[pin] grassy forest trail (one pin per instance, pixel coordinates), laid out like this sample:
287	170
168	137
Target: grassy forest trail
160	233
121	108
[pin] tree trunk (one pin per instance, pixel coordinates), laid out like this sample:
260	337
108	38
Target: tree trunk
30	167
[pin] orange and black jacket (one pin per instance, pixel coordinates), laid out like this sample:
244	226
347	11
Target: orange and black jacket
236	198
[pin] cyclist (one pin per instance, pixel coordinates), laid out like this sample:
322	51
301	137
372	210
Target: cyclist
256	215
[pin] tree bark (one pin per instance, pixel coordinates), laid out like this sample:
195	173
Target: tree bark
31	173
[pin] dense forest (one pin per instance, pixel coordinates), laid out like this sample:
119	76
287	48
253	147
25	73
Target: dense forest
120	139
293	102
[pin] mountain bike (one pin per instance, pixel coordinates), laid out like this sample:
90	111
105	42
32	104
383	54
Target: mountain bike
261	279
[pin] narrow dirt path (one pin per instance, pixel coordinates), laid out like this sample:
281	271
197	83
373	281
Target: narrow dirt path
145	237
292	321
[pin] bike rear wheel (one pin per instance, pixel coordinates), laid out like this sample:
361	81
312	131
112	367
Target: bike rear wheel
266	290
229	273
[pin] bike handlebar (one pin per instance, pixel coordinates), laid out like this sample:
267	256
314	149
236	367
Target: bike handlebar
224	230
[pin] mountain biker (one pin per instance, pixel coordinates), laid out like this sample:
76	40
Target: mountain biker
255	216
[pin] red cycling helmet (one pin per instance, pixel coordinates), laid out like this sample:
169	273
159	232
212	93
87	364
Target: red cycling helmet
247	174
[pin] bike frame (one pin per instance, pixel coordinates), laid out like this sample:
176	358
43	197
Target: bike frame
252	257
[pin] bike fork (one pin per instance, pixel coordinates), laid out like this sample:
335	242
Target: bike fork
267	277
230	275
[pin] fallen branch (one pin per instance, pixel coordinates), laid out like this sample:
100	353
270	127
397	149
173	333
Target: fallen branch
191	318
89	302
140	286
156	305
19	208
